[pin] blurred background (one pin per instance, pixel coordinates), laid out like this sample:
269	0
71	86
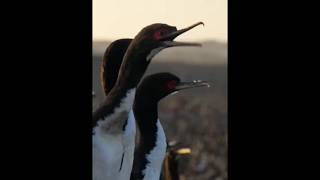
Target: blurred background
197	117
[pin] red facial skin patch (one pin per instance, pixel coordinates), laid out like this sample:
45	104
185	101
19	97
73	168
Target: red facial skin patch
171	84
157	35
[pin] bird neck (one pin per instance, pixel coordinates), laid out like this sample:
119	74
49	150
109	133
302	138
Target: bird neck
115	108
133	67
171	167
117	102
152	144
150	155
111	62
108	75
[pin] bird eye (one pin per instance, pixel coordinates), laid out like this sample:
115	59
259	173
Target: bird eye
157	35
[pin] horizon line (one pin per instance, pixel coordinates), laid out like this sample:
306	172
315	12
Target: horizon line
200	39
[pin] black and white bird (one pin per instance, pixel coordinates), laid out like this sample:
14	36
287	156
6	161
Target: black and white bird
170	167
152	146
111	63
110	66
113	123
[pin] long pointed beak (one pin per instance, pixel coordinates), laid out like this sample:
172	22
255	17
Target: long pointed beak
193	84
175	34
175	43
168	39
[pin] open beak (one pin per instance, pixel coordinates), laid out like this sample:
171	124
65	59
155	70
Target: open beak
167	39
193	84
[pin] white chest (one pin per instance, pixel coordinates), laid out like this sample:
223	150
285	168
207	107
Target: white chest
113	123
156	156
108	149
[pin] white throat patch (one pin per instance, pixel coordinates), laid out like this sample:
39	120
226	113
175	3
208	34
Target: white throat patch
154	52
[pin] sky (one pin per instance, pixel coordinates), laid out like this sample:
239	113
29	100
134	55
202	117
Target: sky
114	19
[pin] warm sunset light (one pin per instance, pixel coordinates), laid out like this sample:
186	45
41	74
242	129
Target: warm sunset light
114	19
